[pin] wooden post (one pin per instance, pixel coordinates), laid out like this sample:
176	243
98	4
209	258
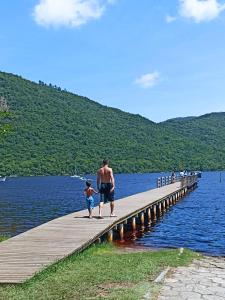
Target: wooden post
154	213
166	207
149	217
133	223
174	200
98	241
171	201
110	236
121	232
142	216
159	209
167	203
163	206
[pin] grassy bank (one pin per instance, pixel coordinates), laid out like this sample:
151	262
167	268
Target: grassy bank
101	272
3	238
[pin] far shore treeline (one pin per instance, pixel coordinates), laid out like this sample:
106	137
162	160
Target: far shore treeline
45	130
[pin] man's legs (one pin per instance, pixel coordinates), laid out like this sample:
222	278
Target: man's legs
100	208
112	209
111	199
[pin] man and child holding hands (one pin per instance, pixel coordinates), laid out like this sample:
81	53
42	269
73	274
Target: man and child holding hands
106	186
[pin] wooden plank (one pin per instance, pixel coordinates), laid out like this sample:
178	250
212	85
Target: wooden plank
26	254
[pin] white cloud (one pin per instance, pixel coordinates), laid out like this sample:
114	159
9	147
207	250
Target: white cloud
170	19
200	10
70	13
148	80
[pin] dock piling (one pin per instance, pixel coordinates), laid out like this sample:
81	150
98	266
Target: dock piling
110	236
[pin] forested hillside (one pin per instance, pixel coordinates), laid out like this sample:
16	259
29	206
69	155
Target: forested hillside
51	131
207	131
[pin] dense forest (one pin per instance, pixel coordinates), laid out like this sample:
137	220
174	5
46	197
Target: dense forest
46	130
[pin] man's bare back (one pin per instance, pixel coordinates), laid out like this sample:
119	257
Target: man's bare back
105	174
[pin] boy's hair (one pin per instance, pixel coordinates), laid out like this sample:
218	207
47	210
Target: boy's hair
88	183
105	162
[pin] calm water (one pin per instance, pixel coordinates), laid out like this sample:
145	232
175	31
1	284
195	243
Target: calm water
197	222
26	202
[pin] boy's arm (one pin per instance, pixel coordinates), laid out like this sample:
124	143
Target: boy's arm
95	191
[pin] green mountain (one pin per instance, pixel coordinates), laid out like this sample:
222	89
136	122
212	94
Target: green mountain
52	131
205	131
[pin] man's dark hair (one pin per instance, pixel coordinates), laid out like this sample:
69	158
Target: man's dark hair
105	162
88	183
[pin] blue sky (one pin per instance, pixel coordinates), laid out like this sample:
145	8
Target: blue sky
158	58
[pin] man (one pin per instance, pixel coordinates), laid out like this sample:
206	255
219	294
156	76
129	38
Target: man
106	186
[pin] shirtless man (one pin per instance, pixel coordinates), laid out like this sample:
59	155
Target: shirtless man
106	186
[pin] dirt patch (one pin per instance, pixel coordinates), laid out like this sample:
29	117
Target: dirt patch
105	289
135	249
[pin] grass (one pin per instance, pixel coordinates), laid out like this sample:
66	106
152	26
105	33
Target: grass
100	272
3	238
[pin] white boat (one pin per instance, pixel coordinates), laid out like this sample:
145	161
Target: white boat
82	178
2	179
75	176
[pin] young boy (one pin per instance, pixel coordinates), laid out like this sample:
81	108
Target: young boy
89	191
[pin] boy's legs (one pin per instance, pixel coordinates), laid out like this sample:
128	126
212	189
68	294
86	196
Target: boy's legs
89	210
90	213
90	206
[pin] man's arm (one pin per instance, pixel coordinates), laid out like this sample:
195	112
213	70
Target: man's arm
112	180
98	180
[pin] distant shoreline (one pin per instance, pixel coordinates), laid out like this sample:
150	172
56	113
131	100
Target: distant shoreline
93	174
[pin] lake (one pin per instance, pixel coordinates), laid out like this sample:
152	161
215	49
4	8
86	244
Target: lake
197	222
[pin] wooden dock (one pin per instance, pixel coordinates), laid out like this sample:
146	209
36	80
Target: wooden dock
28	253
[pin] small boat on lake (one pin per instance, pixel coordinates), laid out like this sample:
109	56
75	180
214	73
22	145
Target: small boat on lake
74	176
2	179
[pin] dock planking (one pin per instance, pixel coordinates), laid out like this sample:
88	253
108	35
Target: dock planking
26	254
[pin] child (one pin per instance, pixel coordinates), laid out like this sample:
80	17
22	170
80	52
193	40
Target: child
89	199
